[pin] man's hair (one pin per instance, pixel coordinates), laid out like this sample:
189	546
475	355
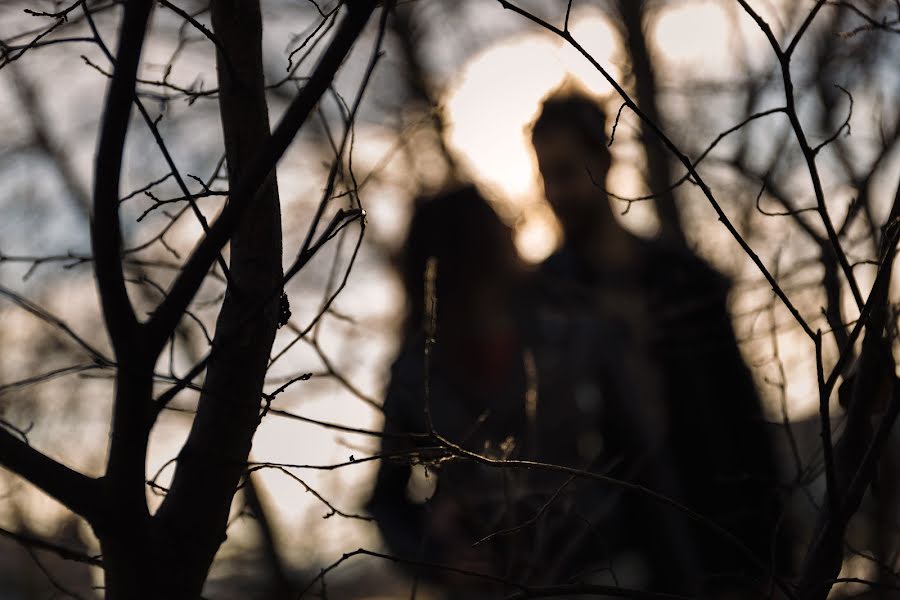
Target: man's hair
575	112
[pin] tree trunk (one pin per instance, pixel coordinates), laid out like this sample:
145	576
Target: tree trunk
214	457
168	555
659	171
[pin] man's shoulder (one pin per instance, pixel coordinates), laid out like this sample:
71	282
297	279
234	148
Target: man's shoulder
560	264
659	261
678	265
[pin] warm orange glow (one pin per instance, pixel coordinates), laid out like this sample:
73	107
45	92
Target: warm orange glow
497	95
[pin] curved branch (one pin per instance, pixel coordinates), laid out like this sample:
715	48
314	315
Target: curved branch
106	231
809	153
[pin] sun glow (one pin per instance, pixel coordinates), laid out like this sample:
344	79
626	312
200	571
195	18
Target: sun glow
694	35
497	95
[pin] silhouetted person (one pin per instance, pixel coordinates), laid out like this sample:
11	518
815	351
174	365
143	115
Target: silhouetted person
477	386
639	367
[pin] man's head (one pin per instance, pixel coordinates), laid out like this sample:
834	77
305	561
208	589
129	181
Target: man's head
570	142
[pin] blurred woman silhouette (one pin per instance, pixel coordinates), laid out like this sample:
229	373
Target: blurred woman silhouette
477	387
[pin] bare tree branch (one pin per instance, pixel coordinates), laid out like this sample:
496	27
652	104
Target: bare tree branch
106	232
188	282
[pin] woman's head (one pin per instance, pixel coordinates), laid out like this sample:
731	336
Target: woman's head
475	255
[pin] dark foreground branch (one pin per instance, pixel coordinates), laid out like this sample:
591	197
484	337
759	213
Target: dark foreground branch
188	282
78	492
106	232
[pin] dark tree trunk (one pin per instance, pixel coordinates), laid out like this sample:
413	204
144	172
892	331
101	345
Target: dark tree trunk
169	554
410	29
659	171
210	465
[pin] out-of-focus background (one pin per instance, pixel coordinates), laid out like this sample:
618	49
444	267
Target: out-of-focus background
452	97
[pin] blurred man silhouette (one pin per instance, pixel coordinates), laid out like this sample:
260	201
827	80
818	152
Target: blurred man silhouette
639	364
